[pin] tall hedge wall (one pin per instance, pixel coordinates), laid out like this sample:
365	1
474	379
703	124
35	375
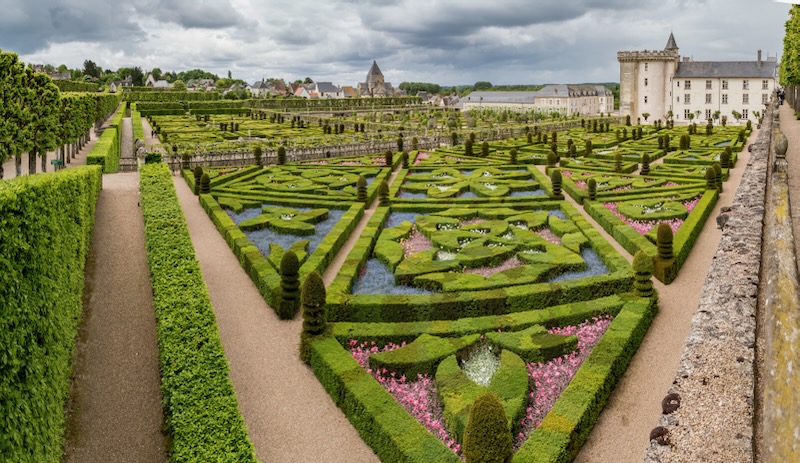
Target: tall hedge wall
202	413
46	221
105	151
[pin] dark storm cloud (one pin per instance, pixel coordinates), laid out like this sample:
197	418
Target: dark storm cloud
204	14
29	26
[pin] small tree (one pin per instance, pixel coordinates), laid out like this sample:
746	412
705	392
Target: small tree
736	115
198	175
628	120
281	155
487	437
555	179
383	194
664	241
724	120
315	317
642	274
645	116
290	286
361	189
205	184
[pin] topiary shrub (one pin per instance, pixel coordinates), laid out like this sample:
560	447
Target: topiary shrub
414	144
281	155
617	162
664	241
290	286
383	193
198	175
642	274
709	128
454	138
666	143
399	143
468	147
628	120
388	157
361	189
487	438
551	159
513	156
185	159
717	175
587	148
554	136
529	138
711	178
749	125
472	137
485	149
404	157
645	170
591	188
660	142
257	153
741	136
725	158
315	317
205	184
555	179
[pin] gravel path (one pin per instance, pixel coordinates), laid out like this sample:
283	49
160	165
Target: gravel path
791	128
115	409
126	140
289	416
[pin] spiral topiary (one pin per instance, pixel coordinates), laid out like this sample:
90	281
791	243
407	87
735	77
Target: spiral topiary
281	155
198	175
487	437
388	157
315	317
642	274
513	155
591	188
555	179
361	189
664	241
205	184
383	194
290	286
645	170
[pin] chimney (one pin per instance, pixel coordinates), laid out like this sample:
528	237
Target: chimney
759	58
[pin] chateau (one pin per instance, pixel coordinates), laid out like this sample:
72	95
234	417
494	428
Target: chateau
655	84
584	100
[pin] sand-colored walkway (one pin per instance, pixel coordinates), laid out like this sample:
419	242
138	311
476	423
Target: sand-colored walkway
289	416
790	127
621	434
115	412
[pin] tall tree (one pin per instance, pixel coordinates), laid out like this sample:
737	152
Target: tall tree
14	116
156	73
137	76
42	102
91	69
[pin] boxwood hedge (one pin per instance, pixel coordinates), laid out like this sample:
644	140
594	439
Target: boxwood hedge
105	151
202	414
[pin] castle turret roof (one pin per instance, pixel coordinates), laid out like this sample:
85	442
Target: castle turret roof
671	45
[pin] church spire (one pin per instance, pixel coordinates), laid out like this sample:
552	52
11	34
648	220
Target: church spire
671	45
374	70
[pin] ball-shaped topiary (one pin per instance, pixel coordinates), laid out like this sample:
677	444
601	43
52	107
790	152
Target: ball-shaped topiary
513	156
315	317
205	184
290	286
642	274
645	170
383	194
198	175
487	438
555	179
361	189
281	155
664	241
591	188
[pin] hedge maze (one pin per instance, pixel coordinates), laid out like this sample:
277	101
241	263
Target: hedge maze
479	277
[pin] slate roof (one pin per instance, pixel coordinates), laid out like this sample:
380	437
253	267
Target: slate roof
671	44
731	69
327	87
501	97
374	70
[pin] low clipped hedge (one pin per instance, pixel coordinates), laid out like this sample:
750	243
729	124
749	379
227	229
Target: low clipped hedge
105	151
136	120
47	221
202	414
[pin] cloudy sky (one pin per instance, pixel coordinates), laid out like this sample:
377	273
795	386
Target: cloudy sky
445	42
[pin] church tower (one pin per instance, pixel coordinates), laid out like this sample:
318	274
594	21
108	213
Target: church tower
375	82
645	81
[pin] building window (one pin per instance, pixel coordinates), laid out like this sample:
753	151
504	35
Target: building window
679	83
678	99
687	98
724	98
746	98
745	85
686	113
645	98
724	84
744	114
764	85
764	98
645	69
708	85
708	114
687	84
645	81
708	98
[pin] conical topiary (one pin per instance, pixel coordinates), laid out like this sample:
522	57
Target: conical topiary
205	184
405	160
645	170
718	175
711	178
399	144
725	157
642	274
617	162
361	189
551	159
487	437
664	241
555	179
257	153
485	149
383	194
281	155
198	175
513	156
388	157
315	318
591	188
290	286
587	148
468	147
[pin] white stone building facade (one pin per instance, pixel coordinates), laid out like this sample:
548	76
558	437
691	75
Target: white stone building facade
570	100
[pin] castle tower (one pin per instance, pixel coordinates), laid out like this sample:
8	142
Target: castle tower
645	80
375	82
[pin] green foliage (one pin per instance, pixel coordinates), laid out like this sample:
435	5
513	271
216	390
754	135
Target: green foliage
645	170
105	151
617	162
555	179
513	156
152	157
487	438
552	159
485	149
717	175
711	178
281	155
290	286
47	223
591	188
201	412
642	274
257	154
405	160
725	158
468	147
205	184
664	241
383	194
628	120
198	176
315	318
422	355
399	144
361	187
388	158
